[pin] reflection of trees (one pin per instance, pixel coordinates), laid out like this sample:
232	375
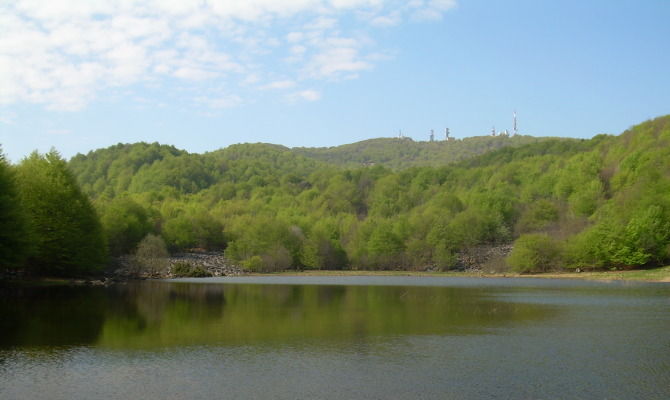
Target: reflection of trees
166	314
51	315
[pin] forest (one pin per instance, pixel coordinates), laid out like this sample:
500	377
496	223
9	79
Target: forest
600	203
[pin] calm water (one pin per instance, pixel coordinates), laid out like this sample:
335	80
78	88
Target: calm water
337	338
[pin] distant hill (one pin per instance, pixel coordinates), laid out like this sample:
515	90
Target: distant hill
141	167
386	203
405	153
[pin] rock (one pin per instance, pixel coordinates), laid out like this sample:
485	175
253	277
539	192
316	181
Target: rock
474	258
213	262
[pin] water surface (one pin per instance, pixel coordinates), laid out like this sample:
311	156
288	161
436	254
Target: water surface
337	337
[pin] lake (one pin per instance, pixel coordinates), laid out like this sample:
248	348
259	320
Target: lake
337	338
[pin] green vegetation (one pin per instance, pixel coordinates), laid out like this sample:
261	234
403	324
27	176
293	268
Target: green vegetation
589	204
404	153
151	256
14	233
186	270
64	231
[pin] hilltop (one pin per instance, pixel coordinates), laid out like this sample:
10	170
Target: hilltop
125	167
385	204
400	153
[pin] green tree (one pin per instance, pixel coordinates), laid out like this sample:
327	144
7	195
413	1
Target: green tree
193	230
535	253
125	223
68	237
14	233
151	255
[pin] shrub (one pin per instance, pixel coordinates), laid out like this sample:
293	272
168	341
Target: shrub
535	253
254	264
187	270
151	256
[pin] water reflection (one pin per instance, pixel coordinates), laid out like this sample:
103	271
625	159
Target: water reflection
158	314
51	316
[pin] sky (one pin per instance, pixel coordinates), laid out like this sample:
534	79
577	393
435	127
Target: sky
78	75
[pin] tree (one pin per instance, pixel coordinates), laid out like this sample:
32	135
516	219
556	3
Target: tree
151	256
534	253
193	229
68	237
125	223
14	233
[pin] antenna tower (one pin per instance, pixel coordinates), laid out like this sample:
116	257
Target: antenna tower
516	131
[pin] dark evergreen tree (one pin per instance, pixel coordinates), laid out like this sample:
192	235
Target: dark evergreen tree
14	233
68	238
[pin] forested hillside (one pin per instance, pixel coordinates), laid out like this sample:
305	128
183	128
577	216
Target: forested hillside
405	153
596	203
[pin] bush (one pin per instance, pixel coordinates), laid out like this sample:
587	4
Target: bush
187	270
253	264
151	256
535	253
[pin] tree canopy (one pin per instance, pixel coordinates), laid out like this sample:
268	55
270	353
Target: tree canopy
67	235
563	203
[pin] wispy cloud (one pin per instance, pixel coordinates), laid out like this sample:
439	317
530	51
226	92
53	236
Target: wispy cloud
63	53
304	95
287	84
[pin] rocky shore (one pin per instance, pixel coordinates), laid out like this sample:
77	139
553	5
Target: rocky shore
212	263
486	258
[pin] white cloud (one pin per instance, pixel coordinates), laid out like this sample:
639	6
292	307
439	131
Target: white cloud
337	58
63	53
321	23
305	95
384	21
431	9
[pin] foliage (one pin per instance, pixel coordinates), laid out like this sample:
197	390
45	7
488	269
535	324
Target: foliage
186	270
125	223
535	253
151	255
594	203
67	235
405	152
15	237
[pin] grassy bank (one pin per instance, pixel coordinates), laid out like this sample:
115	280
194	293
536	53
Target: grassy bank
647	275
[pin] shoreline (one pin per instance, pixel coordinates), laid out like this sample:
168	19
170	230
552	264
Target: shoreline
656	275
660	275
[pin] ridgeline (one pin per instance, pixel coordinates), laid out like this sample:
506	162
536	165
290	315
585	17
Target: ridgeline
395	204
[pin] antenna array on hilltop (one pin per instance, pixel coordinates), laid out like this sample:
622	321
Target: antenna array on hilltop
448	137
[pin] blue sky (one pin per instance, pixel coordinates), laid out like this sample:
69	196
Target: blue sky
83	74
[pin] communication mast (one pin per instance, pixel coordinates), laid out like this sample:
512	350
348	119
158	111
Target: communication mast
516	131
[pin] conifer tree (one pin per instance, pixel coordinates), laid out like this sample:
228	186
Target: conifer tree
14	234
67	237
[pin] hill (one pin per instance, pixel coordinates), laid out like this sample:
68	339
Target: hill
405	153
597	203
